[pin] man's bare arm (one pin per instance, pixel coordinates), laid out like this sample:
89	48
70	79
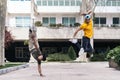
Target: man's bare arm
76	32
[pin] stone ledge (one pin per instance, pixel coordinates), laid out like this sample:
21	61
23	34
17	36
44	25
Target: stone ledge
6	70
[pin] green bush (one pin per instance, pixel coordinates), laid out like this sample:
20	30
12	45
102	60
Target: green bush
114	54
71	53
38	23
59	25
52	25
58	57
26	42
99	57
77	24
117	59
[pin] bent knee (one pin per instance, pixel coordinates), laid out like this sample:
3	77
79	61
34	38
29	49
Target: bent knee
40	57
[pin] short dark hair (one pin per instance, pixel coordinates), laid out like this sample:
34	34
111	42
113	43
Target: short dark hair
30	30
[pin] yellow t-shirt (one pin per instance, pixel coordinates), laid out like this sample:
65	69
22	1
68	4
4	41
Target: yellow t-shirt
88	29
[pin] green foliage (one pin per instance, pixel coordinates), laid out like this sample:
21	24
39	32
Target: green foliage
38	23
58	57
77	24
99	57
71	53
26	42
10	65
114	54
59	25
52	25
117	59
56	25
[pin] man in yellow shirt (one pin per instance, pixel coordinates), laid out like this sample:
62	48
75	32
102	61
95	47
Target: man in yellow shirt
87	27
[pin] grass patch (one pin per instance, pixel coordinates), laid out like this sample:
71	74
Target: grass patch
10	64
58	57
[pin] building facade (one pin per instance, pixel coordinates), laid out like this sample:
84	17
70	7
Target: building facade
66	13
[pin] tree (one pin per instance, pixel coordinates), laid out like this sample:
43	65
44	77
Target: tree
8	38
3	6
71	53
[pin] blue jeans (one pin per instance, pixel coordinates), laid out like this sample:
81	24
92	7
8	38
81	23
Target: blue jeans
85	44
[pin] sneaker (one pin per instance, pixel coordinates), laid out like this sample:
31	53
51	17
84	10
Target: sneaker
77	59
81	51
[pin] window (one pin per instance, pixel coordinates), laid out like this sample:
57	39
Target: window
39	2
113	3
21	52
98	3
118	3
102	2
44	2
65	21
50	3
116	20
68	21
61	2
72	21
78	2
18	21
66	2
108	3
52	20
23	21
96	20
101	20
72	2
55	2
47	21
27	21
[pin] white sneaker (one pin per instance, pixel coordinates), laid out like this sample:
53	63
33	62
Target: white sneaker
77	59
73	40
81	52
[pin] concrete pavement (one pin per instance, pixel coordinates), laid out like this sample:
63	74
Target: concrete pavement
65	71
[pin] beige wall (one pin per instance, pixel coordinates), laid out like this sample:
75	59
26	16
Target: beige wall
65	33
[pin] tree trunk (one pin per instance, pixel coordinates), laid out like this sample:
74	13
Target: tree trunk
2	29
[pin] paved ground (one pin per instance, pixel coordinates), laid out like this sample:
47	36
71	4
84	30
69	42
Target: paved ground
65	71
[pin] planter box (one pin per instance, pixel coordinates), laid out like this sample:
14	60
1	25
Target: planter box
113	64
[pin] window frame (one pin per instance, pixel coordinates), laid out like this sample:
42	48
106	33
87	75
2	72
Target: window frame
23	21
115	20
